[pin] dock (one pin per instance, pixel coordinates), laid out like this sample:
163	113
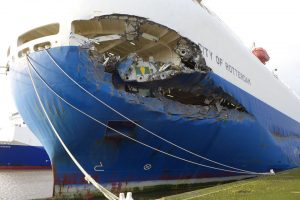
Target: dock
284	185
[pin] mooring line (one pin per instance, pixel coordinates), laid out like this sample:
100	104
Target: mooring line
145	129
137	141
88	177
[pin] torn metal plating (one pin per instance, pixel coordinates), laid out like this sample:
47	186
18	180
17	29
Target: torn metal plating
136	69
191	55
132	29
176	71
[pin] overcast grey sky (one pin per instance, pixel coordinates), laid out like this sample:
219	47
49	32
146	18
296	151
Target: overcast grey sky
271	24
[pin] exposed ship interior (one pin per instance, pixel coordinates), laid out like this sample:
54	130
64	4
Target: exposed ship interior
151	60
145	58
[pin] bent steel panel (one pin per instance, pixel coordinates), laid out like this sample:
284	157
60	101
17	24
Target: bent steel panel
238	139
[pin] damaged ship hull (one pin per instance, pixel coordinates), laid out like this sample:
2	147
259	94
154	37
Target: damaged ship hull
138	96
121	163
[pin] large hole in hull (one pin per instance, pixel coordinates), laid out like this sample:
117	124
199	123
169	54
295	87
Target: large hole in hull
151	60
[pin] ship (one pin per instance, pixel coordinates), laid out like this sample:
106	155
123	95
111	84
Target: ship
138	95
20	149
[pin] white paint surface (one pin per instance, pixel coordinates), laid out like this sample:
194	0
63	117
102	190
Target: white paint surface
270	24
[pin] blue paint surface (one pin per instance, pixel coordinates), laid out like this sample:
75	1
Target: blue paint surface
242	140
14	156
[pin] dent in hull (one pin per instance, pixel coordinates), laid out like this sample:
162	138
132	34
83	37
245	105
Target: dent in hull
237	140
192	108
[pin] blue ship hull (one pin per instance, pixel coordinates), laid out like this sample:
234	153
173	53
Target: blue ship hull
258	140
23	157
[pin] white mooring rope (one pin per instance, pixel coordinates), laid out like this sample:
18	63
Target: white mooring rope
137	141
88	178
145	129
